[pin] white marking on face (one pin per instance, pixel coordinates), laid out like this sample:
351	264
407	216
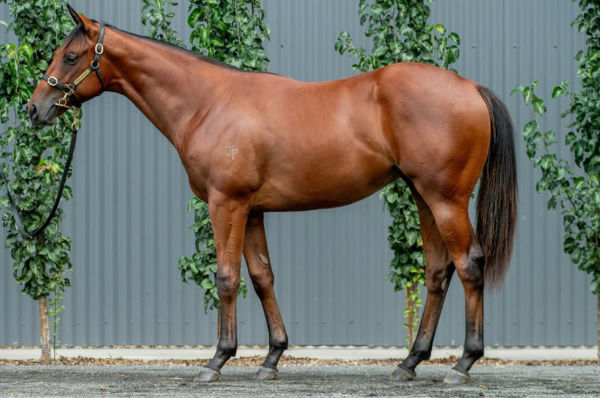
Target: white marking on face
232	151
444	283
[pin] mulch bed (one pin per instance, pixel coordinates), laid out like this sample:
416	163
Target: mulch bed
287	361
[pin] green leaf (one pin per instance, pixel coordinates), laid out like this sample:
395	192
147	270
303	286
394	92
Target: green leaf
557	92
538	106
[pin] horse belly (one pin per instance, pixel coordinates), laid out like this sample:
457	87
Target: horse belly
310	182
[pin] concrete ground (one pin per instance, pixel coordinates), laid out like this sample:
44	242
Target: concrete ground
296	381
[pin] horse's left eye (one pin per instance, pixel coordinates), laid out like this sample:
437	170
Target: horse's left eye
71	59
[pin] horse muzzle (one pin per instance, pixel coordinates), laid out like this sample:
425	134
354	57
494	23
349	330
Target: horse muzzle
42	114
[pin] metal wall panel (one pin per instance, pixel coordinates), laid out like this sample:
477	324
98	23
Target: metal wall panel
128	218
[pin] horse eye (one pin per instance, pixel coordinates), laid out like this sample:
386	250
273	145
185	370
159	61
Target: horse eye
71	58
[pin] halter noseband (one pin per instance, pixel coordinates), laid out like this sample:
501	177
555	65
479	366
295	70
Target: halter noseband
69	89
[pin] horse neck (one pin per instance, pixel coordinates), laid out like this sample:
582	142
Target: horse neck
170	86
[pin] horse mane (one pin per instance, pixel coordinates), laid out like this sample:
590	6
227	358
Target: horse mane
78	30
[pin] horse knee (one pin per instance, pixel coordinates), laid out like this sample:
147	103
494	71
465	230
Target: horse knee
228	282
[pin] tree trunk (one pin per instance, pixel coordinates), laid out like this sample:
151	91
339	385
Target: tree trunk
44	330
410	304
598	326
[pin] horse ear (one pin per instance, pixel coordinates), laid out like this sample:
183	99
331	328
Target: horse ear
75	15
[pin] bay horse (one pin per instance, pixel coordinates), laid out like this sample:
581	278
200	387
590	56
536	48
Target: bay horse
257	142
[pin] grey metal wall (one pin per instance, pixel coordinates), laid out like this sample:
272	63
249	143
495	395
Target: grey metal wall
128	218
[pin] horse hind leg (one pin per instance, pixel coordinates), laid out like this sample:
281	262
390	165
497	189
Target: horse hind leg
455	228
256	254
439	271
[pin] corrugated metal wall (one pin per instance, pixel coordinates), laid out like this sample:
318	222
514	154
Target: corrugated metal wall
128	218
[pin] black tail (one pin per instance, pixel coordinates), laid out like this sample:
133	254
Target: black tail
497	198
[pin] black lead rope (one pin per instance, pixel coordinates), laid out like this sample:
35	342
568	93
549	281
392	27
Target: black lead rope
61	187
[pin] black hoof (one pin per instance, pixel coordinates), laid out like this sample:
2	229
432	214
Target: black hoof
208	375
265	373
456	377
402	374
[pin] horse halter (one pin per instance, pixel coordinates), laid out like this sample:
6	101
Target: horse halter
69	89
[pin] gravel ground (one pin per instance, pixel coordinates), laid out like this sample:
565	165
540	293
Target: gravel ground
296	381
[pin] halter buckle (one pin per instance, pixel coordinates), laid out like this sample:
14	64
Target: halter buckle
52	81
62	102
99	49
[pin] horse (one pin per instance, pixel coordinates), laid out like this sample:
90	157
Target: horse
252	143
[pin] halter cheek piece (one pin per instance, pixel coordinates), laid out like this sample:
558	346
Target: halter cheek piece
69	89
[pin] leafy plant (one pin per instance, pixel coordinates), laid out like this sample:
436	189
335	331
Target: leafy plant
231	31
159	19
33	158
573	183
202	266
399	31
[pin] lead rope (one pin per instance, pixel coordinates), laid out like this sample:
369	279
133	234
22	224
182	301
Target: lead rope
63	181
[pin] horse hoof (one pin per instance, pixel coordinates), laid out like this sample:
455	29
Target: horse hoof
456	377
402	374
265	373
208	375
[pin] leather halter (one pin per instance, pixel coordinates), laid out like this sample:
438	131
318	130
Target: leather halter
69	88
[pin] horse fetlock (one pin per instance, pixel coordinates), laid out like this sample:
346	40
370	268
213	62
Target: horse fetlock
278	344
226	350
474	350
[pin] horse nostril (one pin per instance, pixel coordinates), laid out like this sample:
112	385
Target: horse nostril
32	111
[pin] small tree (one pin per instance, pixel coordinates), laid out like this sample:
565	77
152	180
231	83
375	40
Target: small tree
34	158
573	183
399	31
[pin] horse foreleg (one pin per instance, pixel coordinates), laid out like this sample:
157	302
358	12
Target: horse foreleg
256	254
228	218
439	271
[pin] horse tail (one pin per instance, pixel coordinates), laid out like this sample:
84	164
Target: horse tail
497	197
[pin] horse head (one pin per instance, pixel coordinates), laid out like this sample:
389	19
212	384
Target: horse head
66	84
